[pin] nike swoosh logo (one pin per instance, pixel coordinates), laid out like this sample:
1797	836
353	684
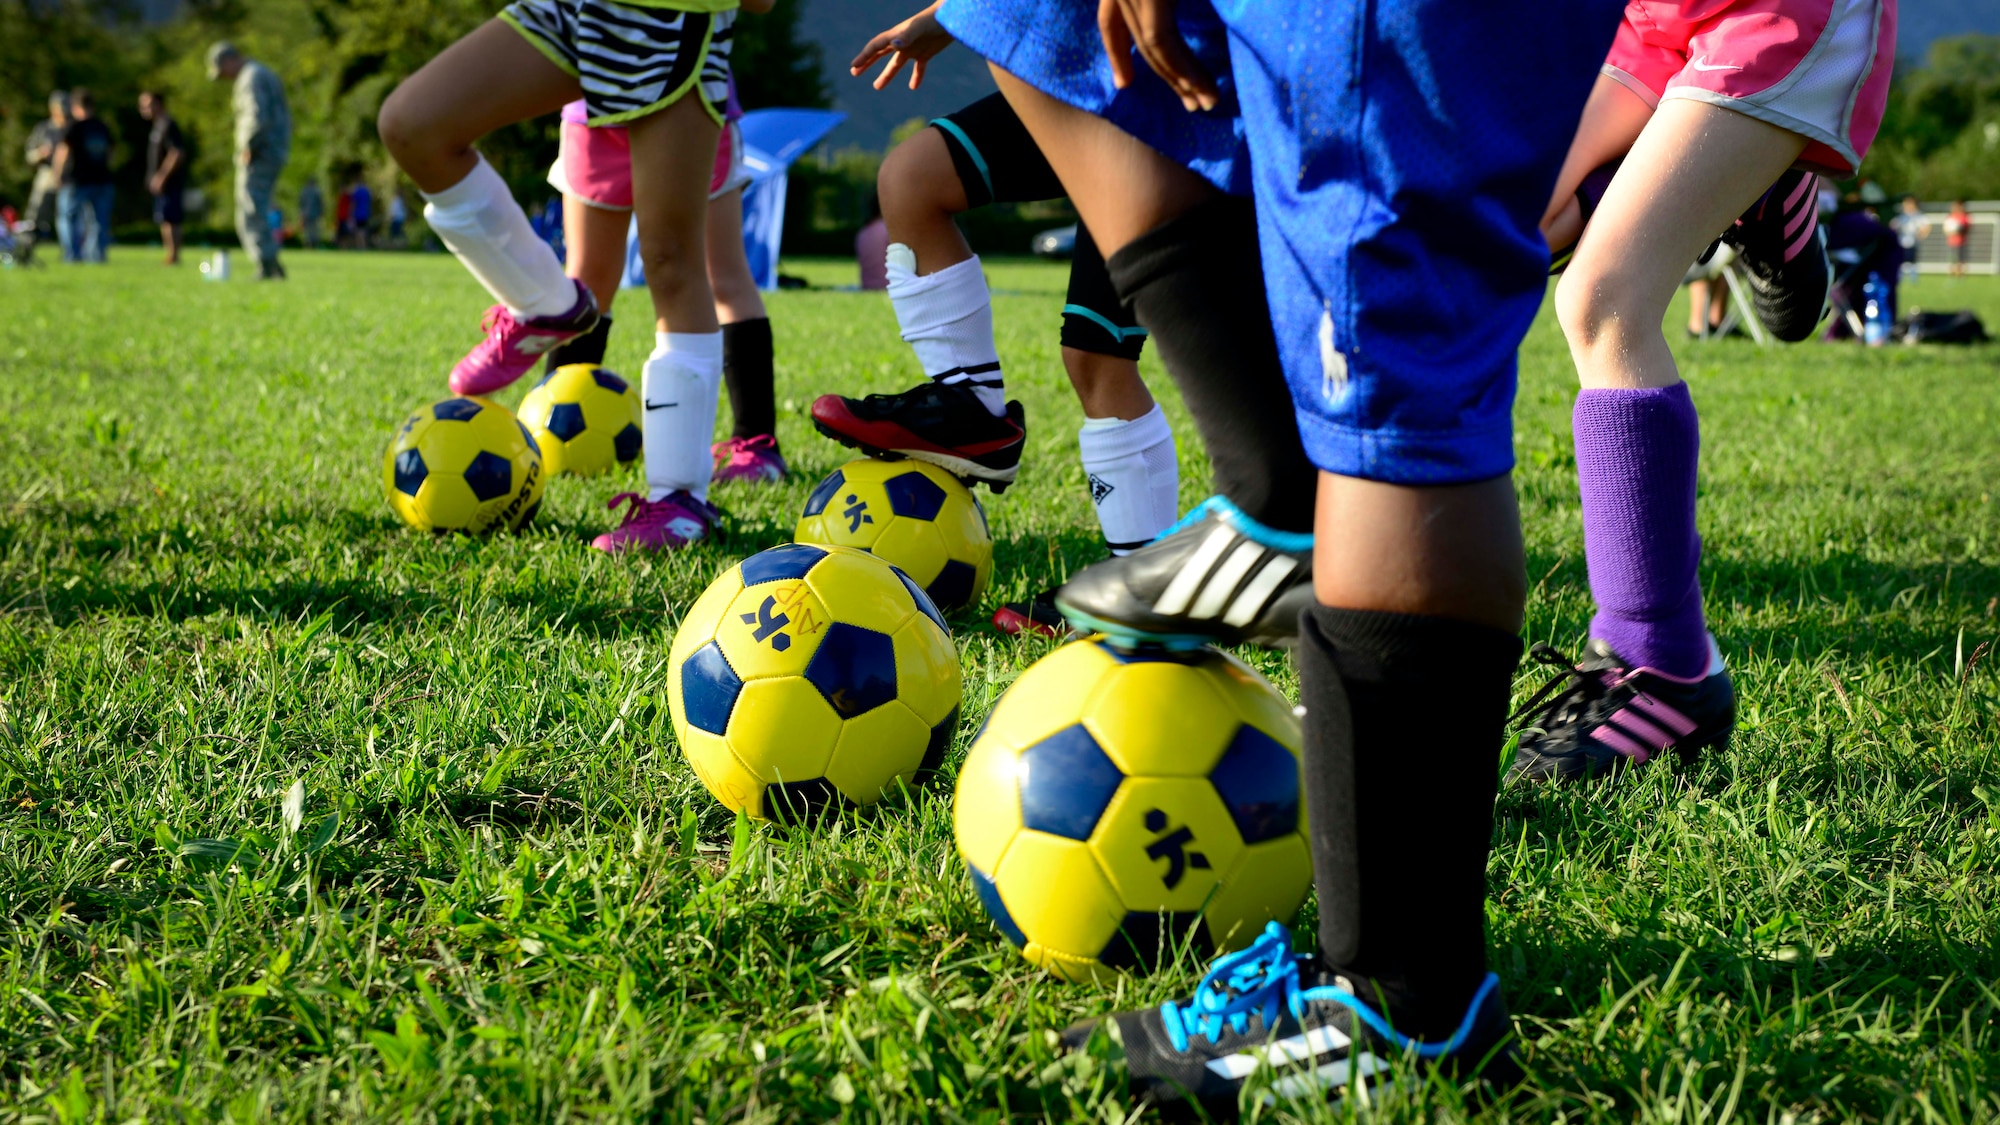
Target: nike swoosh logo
660	405
1702	66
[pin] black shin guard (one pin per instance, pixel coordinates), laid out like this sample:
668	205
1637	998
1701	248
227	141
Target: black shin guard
747	371
1401	792
587	348
1197	284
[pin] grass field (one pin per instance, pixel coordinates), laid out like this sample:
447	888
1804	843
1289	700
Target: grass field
504	893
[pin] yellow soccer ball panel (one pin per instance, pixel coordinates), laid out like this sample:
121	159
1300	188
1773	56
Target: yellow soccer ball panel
1076	970
1051	695
854	587
1258	702
783	729
772	629
704	617
1267	883
874	749
1058	896
927	672
913	546
554	461
986	808
1161	719
1165	842
847	521
726	778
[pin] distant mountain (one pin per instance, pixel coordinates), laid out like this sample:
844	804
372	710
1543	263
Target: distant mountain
955	78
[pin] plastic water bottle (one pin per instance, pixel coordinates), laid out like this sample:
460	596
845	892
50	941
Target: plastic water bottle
217	267
1874	311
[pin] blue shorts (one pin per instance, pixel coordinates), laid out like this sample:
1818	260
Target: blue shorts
1403	152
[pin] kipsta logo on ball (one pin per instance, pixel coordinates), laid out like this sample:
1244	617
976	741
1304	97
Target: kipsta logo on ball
911	514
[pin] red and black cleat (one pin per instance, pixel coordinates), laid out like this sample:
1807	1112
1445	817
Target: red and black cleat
942	423
1037	615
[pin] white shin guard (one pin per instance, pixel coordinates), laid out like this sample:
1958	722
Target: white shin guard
1134	475
483	226
947	318
680	389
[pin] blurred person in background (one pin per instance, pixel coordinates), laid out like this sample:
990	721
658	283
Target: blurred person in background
1957	225
263	144
83	167
360	211
399	215
1911	226
41	156
166	171
312	208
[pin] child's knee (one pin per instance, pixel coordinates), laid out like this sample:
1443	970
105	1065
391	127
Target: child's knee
917	175
1592	304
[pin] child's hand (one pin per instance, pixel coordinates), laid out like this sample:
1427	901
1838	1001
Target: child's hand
1150	26
914	41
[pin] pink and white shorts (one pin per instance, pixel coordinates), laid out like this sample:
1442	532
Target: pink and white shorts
1819	68
595	165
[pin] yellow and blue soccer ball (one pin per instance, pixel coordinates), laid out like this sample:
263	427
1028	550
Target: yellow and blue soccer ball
807	677
909	513
586	417
1118	808
463	464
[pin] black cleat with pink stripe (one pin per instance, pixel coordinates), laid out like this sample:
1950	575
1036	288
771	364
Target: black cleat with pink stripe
1602	714
1777	241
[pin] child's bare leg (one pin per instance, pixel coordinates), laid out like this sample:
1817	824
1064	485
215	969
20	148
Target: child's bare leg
595	238
920	193
747	357
1694	169
673	156
429	123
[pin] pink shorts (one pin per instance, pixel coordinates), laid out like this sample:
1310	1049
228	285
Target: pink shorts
1819	68
595	165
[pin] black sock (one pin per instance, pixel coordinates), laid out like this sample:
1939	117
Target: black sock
587	348
747	371
1400	782
1197	284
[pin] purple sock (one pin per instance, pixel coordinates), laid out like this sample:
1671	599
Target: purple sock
1635	462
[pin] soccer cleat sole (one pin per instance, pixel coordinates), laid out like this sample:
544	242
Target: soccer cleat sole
963	468
1129	639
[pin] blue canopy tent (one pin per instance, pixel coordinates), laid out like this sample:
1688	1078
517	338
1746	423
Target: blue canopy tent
772	139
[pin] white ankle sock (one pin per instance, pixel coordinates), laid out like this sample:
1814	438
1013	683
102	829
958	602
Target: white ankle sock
679	389
479	220
1134	476
947	317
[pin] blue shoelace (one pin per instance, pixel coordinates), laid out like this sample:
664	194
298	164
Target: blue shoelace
1292	542
1264	978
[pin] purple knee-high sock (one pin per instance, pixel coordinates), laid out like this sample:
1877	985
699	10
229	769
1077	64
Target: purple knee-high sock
1635	462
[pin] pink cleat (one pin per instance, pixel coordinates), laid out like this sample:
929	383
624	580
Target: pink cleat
659	525
512	347
752	459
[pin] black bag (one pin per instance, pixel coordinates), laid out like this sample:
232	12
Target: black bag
1920	327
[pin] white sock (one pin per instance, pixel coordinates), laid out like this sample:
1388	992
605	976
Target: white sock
947	317
1134	476
680	386
479	220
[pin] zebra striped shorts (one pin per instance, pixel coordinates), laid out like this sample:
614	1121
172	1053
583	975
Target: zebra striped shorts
631	60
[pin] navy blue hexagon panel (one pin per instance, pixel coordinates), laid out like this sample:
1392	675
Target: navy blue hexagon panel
490	476
709	687
824	492
1258	780
953	585
924	603
610	381
914	495
455	410
627	442
1066	782
854	668
566	420
989	897
940	742
532	443
410	472
780	564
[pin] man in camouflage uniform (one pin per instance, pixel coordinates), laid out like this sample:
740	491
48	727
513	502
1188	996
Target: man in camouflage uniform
263	143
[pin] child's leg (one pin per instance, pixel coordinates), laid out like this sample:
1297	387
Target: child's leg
747	359
673	155
1692	171
595	240
429	125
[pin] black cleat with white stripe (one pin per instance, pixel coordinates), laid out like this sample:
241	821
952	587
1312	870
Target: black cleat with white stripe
1217	577
1300	1029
